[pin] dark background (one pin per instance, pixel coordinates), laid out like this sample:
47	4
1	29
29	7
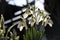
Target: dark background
53	7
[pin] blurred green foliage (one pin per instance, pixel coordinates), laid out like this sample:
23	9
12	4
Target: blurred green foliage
33	34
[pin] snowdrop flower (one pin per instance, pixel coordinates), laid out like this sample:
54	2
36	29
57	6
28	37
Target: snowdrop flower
36	9
1	31
50	23
31	11
43	16
36	13
31	21
45	13
47	20
25	15
32	24
39	19
20	26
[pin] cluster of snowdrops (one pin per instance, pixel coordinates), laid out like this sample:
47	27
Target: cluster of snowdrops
33	17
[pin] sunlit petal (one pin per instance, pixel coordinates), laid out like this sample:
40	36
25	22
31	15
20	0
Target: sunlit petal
21	28
25	15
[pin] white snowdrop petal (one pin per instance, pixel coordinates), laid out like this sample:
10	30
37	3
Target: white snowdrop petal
29	22
45	13
36	9
32	22
31	11
36	14
21	28
41	18
50	24
45	19
45	24
48	17
19	25
25	15
38	19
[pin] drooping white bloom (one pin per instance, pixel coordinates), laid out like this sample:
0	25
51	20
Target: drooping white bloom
48	20
45	19
36	9
31	21
31	11
41	18
25	15
50	23
21	28
46	13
